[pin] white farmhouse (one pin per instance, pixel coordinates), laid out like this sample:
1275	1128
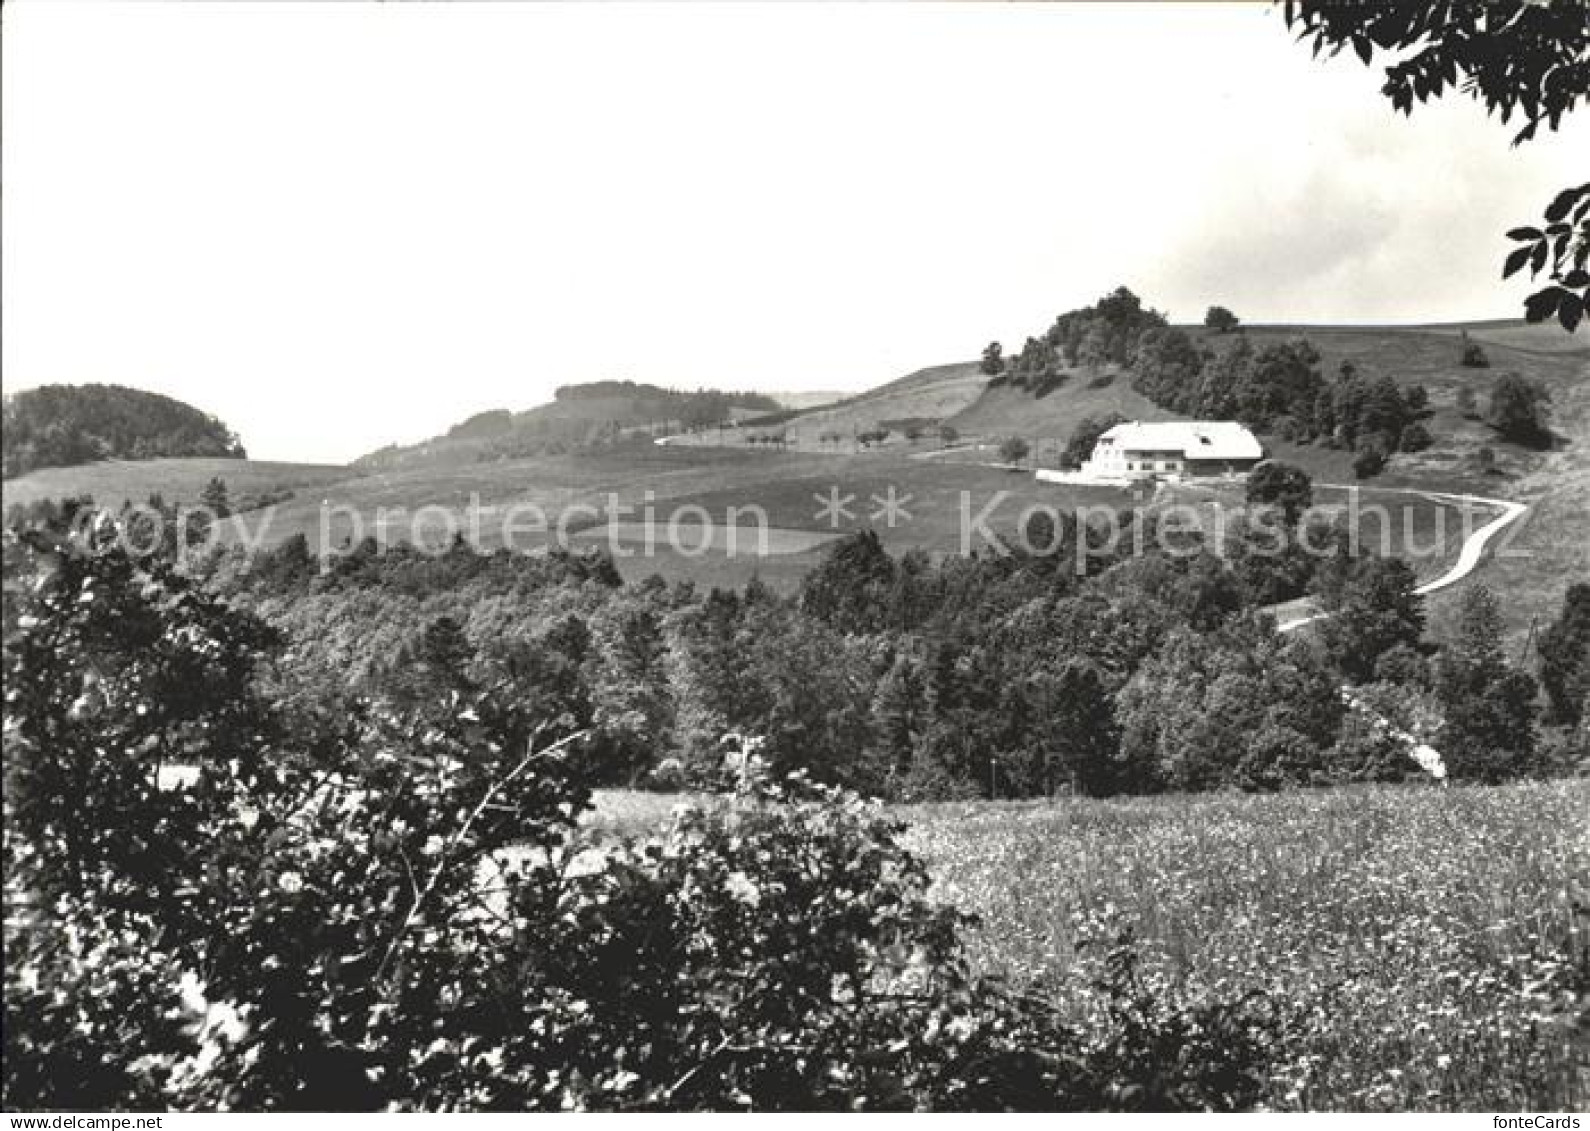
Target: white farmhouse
1169	450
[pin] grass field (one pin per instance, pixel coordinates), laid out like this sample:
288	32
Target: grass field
1047	422
936	503
1552	548
944	504
1415	939
179	480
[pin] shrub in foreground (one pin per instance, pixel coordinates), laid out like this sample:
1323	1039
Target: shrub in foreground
372	908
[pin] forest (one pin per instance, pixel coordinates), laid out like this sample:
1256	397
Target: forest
305	926
913	678
65	425
377	893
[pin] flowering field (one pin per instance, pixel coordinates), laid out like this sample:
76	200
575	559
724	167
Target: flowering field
1424	948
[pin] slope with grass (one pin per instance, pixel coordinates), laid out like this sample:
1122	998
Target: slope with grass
926	398
1550	546
532	503
1431	356
1428	356
178	481
578	418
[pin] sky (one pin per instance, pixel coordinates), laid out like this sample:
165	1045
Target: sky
339	226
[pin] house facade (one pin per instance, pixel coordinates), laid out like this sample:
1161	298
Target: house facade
1173	450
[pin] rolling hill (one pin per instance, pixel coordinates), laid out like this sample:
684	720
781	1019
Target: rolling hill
927	398
716	469
578	417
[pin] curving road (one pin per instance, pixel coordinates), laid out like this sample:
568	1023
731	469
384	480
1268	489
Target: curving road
1469	557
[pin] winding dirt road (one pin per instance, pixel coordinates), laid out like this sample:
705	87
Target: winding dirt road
1469	557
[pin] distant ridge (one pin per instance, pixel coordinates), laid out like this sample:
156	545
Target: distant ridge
580	417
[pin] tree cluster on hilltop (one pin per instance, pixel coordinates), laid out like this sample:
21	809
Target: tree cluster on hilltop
65	425
1278	388
1094	337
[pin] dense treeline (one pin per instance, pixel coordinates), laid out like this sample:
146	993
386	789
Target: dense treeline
705	406
65	425
911	678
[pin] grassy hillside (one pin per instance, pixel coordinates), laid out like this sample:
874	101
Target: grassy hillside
1540	337
928	396
1552	548
112	482
1431	357
580	417
1428	356
958	395
1047	422
787	486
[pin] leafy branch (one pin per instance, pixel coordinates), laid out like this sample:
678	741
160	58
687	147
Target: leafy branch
1524	57
446	855
1562	249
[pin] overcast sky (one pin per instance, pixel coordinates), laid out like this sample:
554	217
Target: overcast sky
336	226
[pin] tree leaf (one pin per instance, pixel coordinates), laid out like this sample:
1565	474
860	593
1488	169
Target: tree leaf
1516	260
1524	234
1559	207
1570	311
1542	304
